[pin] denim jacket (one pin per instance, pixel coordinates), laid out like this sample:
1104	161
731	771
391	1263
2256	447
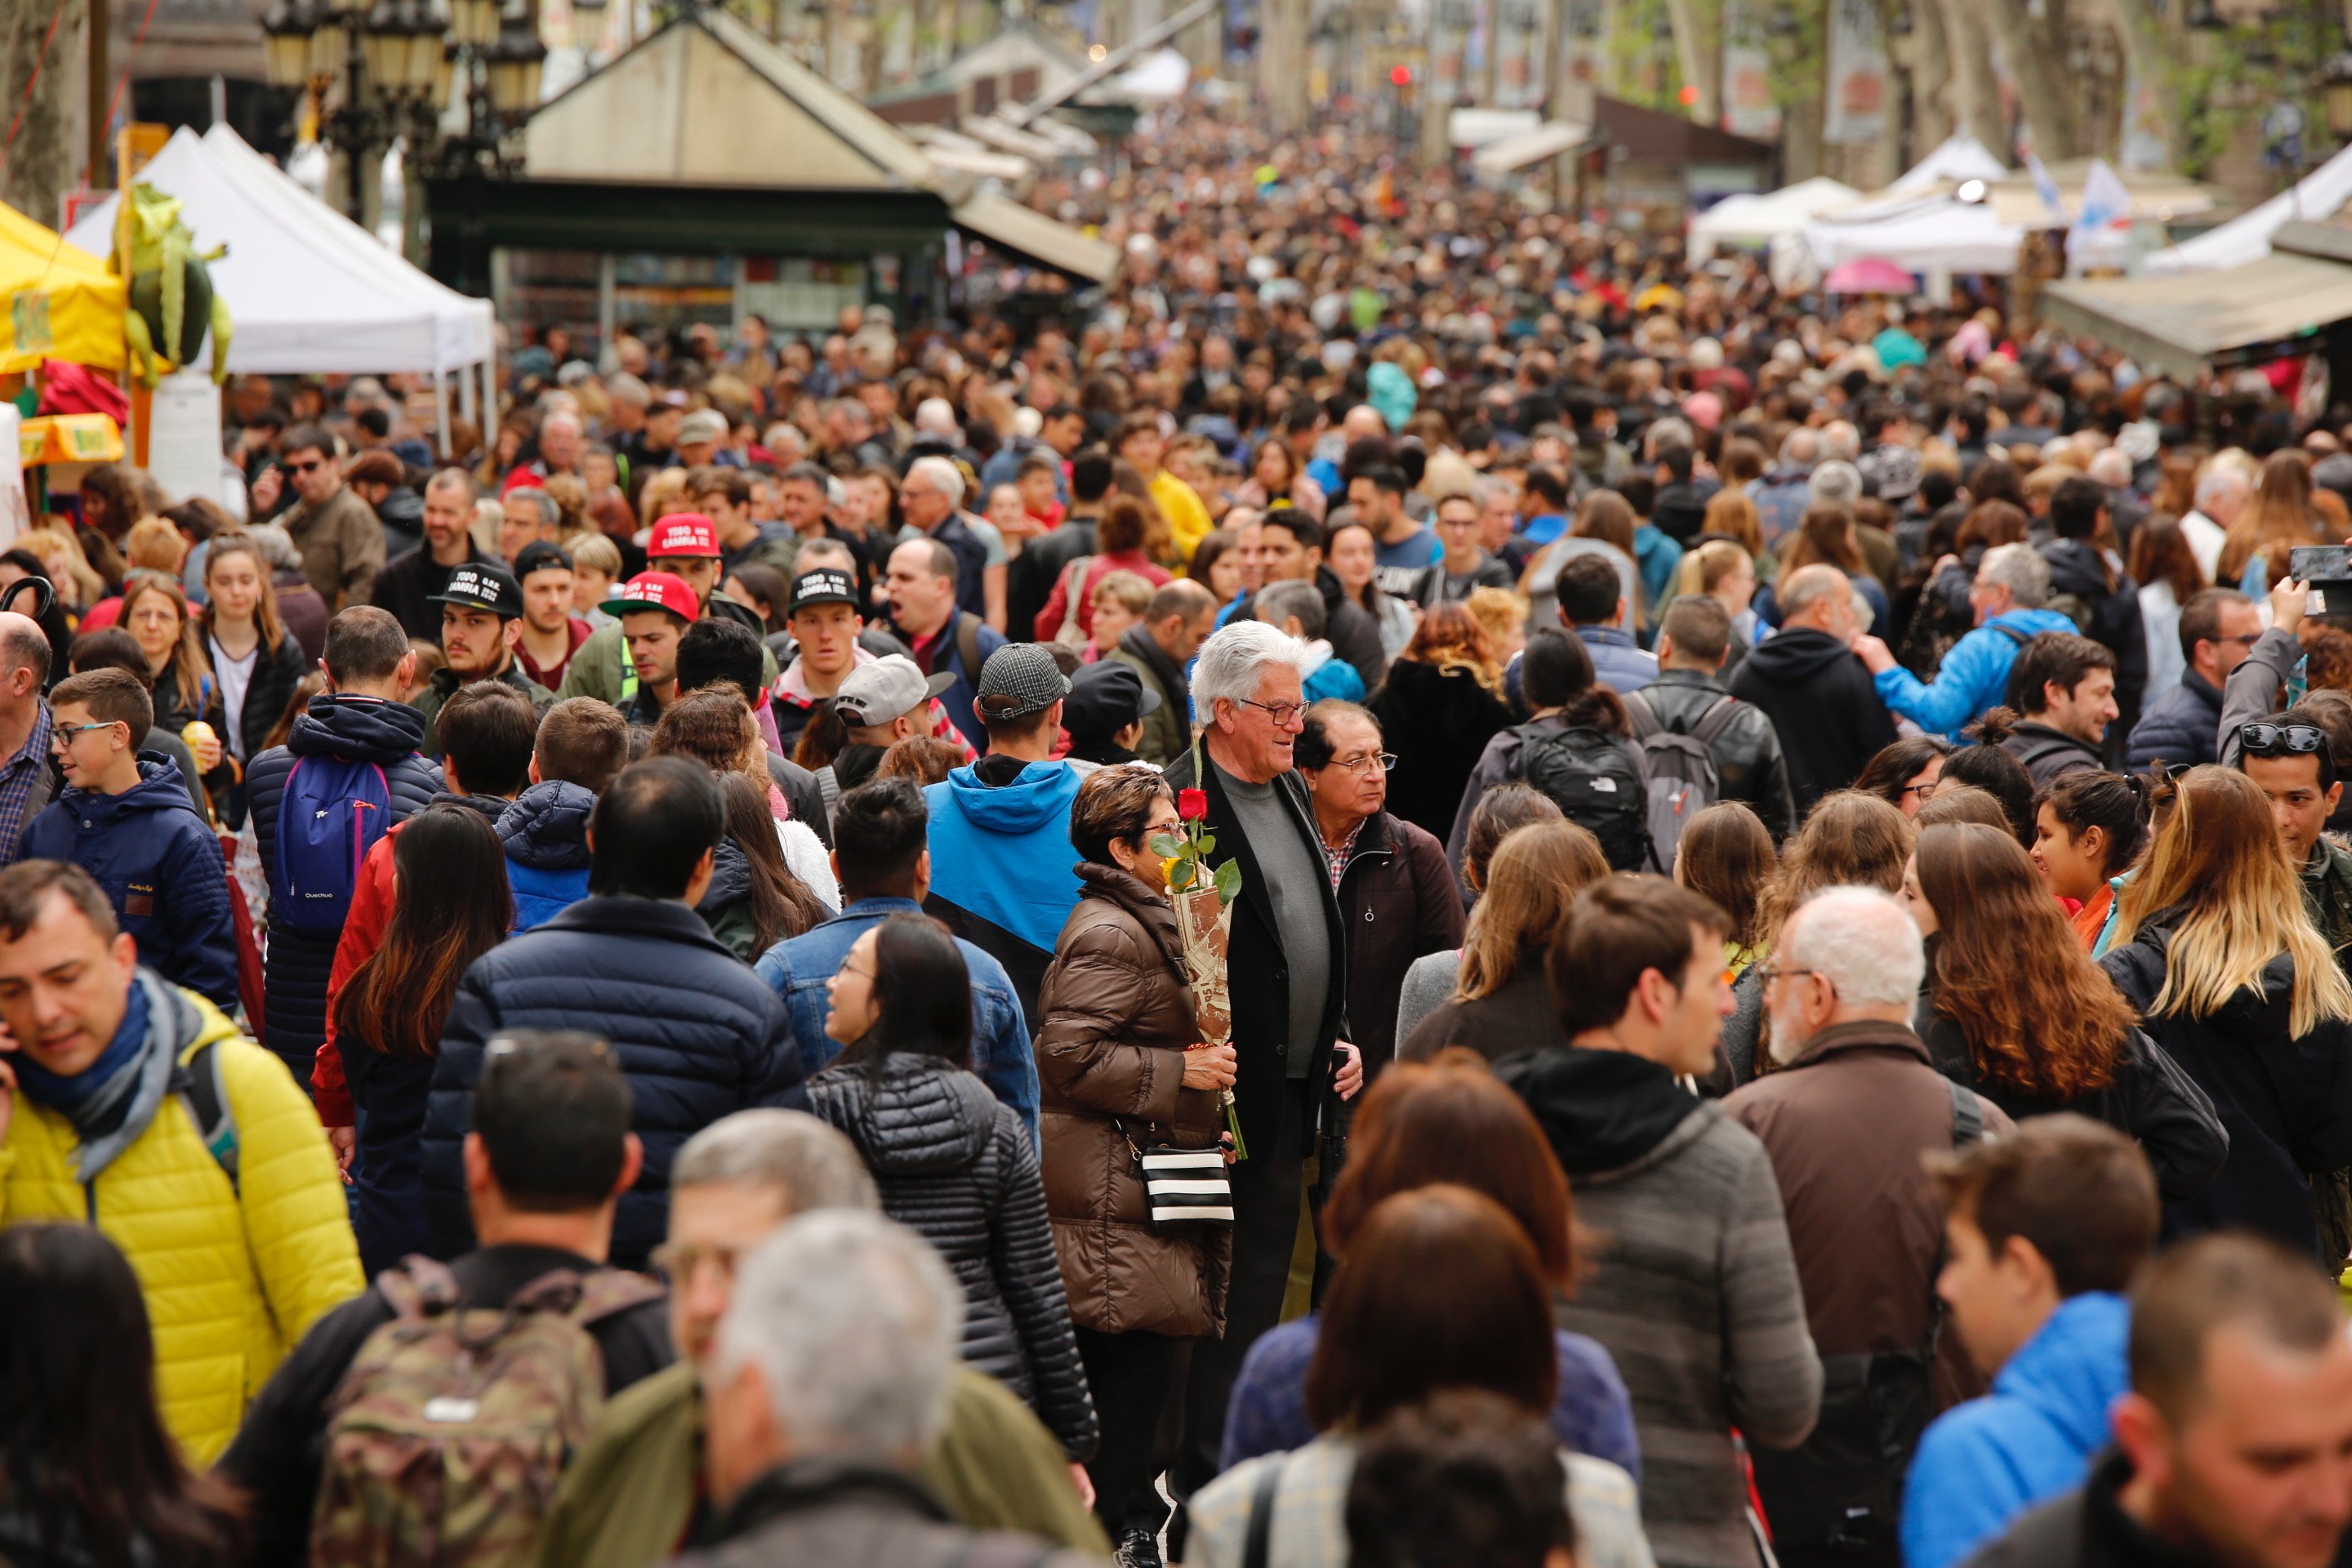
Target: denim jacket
798	969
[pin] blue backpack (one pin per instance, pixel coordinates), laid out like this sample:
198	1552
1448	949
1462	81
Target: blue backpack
331	815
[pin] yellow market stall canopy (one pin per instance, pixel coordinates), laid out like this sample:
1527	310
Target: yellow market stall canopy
57	301
69	438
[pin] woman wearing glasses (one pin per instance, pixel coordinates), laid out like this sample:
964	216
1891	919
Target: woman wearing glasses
1396	891
1905	775
2215	947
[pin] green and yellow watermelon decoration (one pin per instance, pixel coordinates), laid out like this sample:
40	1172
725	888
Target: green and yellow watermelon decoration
173	306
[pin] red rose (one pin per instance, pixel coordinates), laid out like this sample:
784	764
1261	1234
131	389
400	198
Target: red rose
1192	804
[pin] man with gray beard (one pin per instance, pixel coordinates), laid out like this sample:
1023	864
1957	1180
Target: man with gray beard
1853	1105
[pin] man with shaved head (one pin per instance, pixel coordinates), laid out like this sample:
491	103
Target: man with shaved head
28	777
1816	692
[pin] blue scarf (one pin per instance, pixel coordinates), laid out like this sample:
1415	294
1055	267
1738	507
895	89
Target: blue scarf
97	1087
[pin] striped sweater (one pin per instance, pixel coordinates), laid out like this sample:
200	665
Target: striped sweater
1693	1291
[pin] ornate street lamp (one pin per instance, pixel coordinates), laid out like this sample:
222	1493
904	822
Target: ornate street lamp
286	30
402	40
515	61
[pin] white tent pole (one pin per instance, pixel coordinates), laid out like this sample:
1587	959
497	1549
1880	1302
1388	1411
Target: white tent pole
441	406
466	397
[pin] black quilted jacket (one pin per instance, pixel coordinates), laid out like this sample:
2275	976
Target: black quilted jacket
955	1164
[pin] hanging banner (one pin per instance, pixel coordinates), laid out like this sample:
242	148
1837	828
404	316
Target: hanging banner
1519	44
1855	114
1748	108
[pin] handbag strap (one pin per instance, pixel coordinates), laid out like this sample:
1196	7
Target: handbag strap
1257	1543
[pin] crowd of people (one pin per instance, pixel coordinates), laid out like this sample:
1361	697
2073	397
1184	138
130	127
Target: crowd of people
608	993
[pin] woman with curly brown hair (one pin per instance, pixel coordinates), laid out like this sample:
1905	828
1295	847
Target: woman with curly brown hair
2015	1009
1442	700
1850	838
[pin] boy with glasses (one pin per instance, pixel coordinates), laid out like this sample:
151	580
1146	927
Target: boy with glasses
124	817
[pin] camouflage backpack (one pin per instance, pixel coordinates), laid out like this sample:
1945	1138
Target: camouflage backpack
446	1438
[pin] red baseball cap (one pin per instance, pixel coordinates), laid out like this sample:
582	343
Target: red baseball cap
682	533
657	591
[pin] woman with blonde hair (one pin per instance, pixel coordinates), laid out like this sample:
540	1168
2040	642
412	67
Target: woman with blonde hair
1442	700
1725	573
2278	517
1501	1001
69	571
2214	948
155	613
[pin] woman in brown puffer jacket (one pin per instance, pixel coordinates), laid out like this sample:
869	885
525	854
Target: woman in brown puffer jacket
1114	1078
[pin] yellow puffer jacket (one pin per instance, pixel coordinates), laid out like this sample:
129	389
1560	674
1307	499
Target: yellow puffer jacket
233	1276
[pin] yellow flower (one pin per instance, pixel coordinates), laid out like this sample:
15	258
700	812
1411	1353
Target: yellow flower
1167	867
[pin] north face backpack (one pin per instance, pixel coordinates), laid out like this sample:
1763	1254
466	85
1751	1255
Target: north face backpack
331	815
446	1438
1592	778
1682	777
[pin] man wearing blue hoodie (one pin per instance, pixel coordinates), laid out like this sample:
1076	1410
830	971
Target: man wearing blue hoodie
1001	873
2045	1227
2012	583
124	817
582	744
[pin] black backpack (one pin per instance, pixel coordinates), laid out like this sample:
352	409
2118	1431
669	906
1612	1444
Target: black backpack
1593	779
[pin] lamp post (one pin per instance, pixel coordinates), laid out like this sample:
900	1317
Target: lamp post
2335	90
377	69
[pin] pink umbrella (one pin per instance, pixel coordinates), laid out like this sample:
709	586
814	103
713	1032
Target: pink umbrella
1869	275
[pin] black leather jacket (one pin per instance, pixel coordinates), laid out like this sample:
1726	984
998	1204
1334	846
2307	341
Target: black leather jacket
1748	757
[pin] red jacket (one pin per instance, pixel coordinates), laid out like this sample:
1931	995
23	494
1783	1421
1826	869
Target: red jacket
363	932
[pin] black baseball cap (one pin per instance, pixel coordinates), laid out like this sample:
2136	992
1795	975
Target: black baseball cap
538	556
1104	697
823	585
482	586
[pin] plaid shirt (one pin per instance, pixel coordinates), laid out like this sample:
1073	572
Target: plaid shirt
1337	859
17	777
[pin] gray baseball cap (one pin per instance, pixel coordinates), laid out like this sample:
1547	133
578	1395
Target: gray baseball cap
874	694
1026	672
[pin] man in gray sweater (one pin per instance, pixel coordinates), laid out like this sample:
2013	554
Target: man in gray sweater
1696	1296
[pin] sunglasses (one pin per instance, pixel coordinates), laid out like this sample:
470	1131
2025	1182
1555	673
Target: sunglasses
310	468
2269	739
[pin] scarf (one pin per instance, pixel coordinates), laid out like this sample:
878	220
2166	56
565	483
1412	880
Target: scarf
112	1101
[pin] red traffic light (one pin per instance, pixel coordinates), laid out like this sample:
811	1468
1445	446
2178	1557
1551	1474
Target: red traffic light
1400	76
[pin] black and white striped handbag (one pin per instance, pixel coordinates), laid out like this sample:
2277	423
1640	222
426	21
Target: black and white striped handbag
1186	1187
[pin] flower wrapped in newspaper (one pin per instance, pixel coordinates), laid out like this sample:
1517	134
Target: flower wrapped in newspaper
1203	896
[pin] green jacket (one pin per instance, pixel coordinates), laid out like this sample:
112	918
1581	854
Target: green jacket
1167	728
635	1493
443	685
2327	893
600	668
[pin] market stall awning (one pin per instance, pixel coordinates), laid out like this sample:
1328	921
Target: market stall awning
2183	326
57	299
1032	237
307	290
1511	154
708	102
1753	219
1932	234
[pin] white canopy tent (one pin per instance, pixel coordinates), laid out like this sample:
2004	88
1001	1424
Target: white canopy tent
310	291
1935	235
1762	219
2247	237
1959	157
